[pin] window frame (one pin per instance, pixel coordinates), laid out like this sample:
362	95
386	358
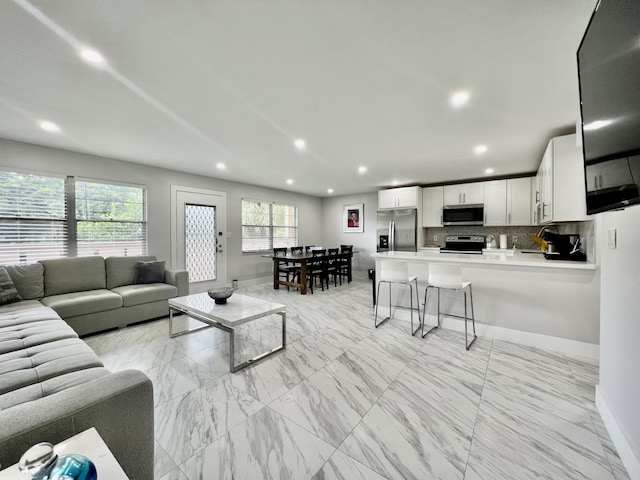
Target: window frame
70	221
71	200
270	226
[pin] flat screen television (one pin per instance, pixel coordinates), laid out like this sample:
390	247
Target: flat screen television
609	80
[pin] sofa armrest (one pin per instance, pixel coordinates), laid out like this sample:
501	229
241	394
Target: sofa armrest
178	278
119	406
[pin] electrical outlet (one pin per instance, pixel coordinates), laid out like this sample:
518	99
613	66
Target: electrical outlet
435	238
515	239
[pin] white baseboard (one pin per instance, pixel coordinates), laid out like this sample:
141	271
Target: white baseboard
548	342
630	461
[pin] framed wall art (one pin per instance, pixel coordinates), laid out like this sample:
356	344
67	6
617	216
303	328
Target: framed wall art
353	218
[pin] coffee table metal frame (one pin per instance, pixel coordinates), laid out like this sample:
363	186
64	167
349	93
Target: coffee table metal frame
211	319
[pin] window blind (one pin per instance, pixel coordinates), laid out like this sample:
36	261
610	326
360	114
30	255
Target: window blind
266	225
110	219
32	218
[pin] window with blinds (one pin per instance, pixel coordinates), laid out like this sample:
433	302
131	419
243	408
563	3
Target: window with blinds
33	223
110	219
37	220
266	225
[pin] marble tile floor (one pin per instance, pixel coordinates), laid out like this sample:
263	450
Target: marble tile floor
348	401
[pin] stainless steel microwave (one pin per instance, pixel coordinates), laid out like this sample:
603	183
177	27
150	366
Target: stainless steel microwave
471	214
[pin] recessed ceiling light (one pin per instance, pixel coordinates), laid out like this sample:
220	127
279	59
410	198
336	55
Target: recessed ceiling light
49	126
330	190
362	169
458	99
489	171
395	182
92	56
289	181
300	144
221	166
480	149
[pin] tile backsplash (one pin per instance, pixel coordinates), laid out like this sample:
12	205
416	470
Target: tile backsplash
584	229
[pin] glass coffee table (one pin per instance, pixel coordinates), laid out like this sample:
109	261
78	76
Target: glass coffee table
238	310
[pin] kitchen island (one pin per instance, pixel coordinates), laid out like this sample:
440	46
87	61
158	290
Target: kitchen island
519	297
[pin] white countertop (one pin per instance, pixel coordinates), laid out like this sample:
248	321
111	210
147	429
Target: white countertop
488	257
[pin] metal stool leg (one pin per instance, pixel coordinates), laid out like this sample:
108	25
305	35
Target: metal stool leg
424	313
413	332
375	321
468	345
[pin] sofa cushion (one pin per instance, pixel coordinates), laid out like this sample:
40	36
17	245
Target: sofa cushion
150	292
122	270
67	275
24	312
32	368
28	279
81	303
51	386
48	331
150	272
8	291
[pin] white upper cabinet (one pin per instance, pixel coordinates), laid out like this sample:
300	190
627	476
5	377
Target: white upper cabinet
432	198
519	201
535	199
561	182
405	197
495	203
464	194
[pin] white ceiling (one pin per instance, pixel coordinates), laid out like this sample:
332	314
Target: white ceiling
364	82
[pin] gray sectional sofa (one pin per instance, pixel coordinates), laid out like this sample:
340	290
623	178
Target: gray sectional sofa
93	293
52	385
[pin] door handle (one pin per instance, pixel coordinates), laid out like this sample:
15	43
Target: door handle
509	219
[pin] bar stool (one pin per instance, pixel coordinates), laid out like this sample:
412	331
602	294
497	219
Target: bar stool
392	271
449	277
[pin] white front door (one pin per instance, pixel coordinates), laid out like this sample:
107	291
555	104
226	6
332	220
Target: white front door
199	226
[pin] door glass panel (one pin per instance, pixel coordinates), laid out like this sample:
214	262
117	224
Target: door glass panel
200	242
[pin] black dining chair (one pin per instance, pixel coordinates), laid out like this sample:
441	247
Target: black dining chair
332	266
285	269
308	248
316	268
346	254
294	267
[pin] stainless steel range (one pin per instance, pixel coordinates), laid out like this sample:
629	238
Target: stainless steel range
463	244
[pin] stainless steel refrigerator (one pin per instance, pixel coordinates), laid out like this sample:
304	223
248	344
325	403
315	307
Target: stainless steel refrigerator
397	230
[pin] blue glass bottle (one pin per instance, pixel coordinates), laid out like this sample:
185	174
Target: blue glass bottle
42	463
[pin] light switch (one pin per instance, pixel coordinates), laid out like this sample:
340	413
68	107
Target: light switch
612	238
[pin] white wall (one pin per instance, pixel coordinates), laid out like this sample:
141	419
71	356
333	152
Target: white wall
365	243
43	160
620	330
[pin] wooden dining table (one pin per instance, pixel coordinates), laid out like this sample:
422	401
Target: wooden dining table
300	259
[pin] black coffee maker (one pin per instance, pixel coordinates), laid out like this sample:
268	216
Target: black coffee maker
563	246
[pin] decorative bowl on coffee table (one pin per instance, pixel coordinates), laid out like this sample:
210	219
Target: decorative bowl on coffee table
221	294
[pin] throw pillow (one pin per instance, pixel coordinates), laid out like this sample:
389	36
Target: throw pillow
150	272
8	291
28	279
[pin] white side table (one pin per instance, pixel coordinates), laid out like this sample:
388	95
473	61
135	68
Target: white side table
88	443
